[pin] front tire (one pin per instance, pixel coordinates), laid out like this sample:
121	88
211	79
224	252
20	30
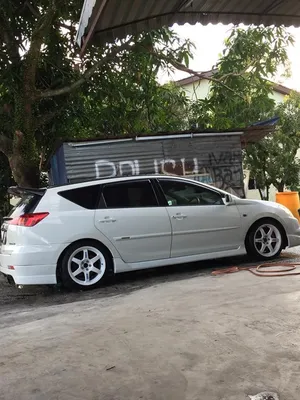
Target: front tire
265	240
85	265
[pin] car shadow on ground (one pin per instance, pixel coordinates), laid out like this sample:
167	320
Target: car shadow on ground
121	284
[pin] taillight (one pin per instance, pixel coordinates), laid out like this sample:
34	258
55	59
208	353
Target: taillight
28	219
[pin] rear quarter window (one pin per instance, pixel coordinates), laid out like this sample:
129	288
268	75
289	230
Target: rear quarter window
86	196
26	205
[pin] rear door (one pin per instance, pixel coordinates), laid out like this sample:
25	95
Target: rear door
201	222
132	219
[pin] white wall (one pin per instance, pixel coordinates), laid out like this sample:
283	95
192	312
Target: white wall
278	97
197	90
200	90
254	194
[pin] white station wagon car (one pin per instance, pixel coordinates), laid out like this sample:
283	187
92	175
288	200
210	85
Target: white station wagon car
79	234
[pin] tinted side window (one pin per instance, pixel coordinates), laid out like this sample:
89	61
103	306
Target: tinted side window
86	197
186	194
129	195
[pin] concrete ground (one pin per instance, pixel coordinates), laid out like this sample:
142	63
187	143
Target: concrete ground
169	334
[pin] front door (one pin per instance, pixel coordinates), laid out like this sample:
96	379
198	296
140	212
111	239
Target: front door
201	222
133	221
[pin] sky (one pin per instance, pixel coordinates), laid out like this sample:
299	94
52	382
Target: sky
209	41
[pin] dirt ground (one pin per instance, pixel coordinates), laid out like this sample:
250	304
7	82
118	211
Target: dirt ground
166	334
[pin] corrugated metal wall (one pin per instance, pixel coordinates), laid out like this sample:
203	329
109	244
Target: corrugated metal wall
208	158
57	174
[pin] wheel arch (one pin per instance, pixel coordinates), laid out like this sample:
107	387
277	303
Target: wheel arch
263	219
58	264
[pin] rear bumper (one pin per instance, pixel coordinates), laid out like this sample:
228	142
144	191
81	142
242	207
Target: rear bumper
30	265
31	275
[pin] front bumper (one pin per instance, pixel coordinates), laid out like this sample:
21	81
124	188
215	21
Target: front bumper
293	232
294	240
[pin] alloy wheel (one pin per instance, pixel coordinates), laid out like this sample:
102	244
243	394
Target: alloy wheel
86	265
267	240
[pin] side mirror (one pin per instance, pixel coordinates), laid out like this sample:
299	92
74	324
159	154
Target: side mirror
228	200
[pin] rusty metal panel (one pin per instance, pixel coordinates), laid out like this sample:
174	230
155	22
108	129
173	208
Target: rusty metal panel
211	159
217	162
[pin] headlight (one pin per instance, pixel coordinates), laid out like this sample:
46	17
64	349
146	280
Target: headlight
284	208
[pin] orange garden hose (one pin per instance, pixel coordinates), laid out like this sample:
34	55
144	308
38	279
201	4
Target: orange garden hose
263	269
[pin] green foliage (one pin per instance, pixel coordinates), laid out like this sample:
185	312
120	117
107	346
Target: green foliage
240	89
135	109
240	95
273	160
48	92
124	96
131	100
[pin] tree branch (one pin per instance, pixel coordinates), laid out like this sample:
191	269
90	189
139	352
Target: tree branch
33	53
37	14
87	75
183	68
70	28
33	9
176	64
241	73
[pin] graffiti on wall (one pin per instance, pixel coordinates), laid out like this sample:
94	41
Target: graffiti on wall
221	170
109	169
227	173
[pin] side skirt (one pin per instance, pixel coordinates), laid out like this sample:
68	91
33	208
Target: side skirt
121	266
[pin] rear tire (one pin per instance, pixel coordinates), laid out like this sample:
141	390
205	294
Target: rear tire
265	240
85	265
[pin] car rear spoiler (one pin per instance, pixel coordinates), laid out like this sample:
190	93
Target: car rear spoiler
21	191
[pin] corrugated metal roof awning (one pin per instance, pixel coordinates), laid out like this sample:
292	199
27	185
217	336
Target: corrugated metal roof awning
105	20
254	134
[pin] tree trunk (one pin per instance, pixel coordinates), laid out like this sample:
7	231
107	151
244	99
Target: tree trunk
264	195
25	174
24	162
23	159
261	194
280	186
267	193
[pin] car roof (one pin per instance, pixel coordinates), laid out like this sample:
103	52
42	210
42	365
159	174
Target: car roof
115	179
70	186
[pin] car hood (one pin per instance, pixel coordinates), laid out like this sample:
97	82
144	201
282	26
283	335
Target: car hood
262	203
250	201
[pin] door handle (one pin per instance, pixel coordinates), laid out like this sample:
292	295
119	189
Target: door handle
107	219
179	216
